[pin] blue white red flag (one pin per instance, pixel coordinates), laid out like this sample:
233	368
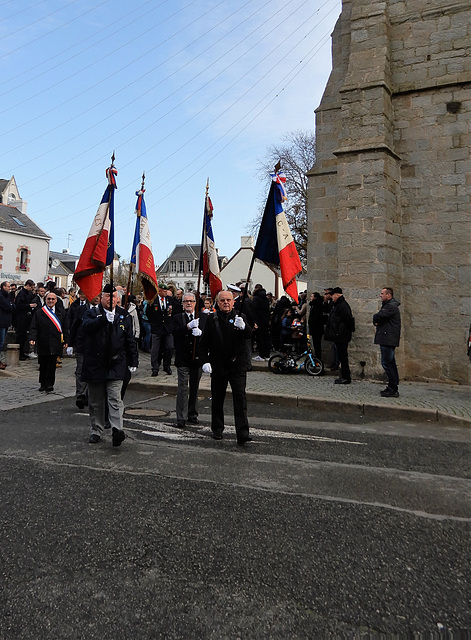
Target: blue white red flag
275	245
209	256
141	254
98	251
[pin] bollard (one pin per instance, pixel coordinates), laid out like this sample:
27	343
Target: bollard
13	355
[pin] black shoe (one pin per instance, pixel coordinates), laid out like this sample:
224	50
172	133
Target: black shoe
94	438
193	420
23	358
107	426
49	389
342	381
42	388
389	393
242	441
118	436
80	403
181	425
154	373
217	435
168	371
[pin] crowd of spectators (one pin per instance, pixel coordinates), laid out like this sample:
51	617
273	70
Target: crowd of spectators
279	324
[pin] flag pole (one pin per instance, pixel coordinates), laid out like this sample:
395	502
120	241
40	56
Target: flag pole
111	265
200	266
129	285
252	262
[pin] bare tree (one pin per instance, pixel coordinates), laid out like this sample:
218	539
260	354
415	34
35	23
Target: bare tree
297	154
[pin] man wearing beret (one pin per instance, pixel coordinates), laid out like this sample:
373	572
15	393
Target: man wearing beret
109	349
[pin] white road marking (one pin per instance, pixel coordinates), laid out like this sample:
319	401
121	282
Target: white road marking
155	428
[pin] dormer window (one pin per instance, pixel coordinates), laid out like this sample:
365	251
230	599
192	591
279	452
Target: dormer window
11	198
18	221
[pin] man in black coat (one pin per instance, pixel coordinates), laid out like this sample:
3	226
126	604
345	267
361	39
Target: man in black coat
260	309
316	322
223	345
339	330
6	312
49	333
160	314
75	315
24	310
186	334
109	349
388	332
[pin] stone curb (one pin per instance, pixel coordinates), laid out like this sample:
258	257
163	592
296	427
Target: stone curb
370	410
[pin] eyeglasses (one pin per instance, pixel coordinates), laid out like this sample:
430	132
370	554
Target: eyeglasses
50	298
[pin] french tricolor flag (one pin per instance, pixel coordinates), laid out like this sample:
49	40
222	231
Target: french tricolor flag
141	255
209	256
275	245
98	251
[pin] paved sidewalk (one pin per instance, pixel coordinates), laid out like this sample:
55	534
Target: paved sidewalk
442	403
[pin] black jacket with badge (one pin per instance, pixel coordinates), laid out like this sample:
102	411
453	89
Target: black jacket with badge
388	321
184	340
161	318
108	348
49	340
223	345
340	323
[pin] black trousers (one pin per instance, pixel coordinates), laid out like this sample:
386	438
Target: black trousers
47	370
219	382
342	351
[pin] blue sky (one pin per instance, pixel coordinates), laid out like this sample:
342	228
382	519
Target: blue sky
180	89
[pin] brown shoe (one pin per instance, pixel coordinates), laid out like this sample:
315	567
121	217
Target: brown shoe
3	365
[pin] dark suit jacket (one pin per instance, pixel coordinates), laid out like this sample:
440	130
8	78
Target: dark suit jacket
161	320
75	324
184	340
223	345
44	332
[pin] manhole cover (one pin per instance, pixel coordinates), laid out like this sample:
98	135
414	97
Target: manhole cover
145	412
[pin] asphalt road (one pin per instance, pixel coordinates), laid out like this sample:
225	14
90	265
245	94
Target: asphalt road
324	525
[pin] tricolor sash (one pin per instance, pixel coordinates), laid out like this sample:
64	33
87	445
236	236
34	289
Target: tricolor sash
53	318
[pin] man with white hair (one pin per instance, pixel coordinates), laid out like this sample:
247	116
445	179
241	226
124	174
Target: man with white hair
48	333
187	333
223	345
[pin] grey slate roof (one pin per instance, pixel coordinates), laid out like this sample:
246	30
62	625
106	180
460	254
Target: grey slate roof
28	227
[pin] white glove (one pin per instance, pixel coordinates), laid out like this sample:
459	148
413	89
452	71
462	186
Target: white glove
69	351
194	323
196	332
132	369
239	323
207	368
109	315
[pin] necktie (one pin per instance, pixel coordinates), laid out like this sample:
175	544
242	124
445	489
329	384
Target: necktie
191	317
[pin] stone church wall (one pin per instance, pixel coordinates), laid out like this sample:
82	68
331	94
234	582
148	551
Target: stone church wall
390	193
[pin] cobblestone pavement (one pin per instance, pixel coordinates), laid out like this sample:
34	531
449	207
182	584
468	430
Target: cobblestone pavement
440	402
